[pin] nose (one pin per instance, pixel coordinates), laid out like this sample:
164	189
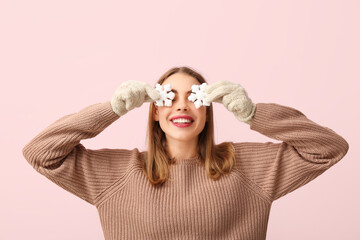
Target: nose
182	108
182	104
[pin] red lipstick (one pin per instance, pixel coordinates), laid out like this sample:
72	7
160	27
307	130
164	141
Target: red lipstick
182	124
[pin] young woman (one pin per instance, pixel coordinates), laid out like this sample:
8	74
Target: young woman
185	186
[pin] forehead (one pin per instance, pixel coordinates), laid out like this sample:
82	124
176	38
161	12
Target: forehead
181	81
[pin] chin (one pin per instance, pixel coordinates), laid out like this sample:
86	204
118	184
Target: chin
183	138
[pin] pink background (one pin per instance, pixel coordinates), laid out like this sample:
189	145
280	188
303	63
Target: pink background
57	57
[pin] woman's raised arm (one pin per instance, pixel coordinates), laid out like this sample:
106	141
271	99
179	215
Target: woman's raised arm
57	153
306	151
275	169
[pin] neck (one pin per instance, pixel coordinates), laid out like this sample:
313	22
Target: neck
182	149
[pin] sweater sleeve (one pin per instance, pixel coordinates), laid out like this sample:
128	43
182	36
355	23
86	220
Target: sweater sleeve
306	151
57	153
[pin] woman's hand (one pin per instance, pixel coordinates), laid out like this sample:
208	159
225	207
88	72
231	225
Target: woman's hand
234	97
131	94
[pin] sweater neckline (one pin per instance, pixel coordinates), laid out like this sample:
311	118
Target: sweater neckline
188	161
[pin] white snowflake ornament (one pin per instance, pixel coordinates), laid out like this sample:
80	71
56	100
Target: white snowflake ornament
198	95
166	95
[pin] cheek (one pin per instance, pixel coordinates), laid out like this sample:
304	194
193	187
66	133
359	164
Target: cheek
164	113
203	114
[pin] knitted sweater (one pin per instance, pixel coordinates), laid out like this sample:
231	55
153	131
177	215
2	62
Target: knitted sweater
190	205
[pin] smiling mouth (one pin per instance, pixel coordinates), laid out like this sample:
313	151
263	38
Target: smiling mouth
182	120
182	124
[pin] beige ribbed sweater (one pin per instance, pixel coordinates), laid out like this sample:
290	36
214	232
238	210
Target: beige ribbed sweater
190	206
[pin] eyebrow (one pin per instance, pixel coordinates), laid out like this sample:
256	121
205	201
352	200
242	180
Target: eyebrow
177	91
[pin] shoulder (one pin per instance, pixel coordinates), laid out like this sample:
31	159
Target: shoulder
119	157
252	153
253	146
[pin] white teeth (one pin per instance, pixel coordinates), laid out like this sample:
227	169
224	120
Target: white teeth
181	120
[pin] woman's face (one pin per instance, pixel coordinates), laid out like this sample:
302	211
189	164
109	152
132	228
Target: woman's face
181	85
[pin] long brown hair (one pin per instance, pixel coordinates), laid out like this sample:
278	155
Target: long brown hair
217	159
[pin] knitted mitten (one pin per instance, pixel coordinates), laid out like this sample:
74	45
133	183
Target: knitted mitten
234	97
132	94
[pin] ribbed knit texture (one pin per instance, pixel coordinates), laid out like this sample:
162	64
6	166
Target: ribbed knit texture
189	205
